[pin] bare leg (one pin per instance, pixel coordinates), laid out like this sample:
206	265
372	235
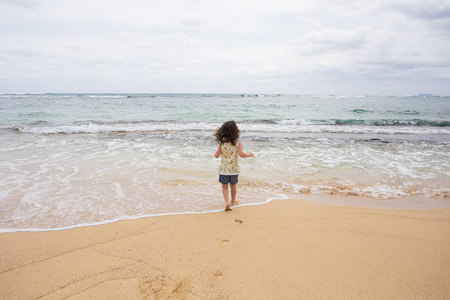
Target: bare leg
226	196
233	194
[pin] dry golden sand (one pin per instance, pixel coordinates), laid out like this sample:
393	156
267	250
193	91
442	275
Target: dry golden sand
286	249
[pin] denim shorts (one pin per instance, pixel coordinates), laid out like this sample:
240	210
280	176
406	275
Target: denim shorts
228	179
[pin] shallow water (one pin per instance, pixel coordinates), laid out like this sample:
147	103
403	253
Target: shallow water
70	160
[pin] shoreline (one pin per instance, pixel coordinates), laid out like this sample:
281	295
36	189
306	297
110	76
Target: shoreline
283	249
406	203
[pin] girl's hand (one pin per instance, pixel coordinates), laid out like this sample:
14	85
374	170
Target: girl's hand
218	152
242	153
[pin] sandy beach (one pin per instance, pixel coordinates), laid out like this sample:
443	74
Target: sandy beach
288	249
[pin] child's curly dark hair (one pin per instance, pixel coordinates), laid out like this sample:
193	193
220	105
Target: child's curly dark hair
227	133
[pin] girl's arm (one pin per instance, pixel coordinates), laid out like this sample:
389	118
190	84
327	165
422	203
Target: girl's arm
242	153
219	150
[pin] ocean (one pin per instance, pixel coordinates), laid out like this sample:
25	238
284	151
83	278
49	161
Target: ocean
70	160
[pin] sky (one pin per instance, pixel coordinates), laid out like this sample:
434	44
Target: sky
354	47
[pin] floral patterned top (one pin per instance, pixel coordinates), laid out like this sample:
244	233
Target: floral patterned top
229	164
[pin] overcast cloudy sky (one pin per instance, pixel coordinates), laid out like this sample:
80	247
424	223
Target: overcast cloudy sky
289	47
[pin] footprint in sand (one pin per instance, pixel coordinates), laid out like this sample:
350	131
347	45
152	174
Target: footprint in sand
160	287
238	221
224	243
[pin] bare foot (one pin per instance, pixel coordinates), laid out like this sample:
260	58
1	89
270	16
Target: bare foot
228	208
235	203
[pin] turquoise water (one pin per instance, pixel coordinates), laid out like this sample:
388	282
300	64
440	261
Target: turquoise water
370	110
71	160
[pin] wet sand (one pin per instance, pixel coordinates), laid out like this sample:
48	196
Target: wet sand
289	249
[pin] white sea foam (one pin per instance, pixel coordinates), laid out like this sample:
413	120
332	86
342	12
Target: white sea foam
115	128
371	190
177	198
282	127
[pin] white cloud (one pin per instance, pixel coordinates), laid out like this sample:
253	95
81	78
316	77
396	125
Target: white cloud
428	10
194	19
19	3
218	46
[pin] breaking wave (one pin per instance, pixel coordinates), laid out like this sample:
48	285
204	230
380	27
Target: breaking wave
279	126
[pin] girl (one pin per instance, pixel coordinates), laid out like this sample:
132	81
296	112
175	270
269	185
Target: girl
227	136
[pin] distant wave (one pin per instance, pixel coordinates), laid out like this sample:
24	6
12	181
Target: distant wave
107	96
361	111
407	112
381	122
